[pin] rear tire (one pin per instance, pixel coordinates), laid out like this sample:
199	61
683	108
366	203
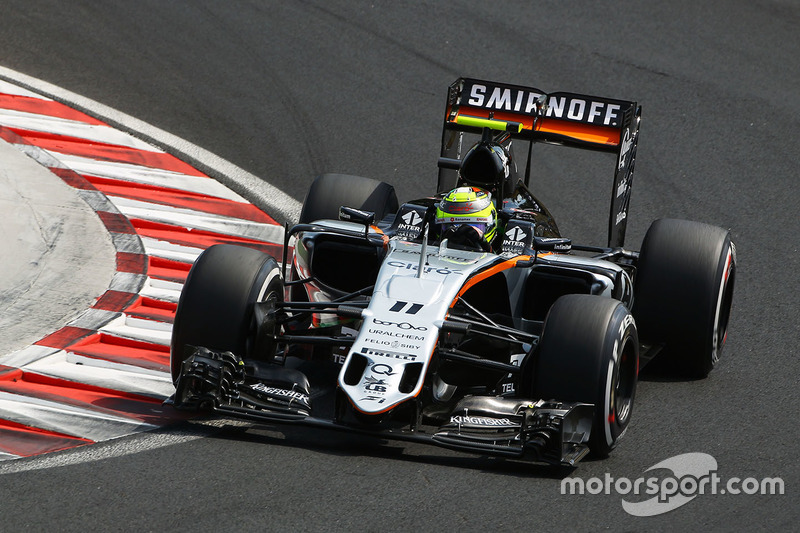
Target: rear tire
683	293
216	304
589	352
329	192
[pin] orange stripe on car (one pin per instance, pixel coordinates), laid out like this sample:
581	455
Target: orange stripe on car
505	265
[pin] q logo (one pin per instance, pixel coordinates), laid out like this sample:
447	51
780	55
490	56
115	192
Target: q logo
382	370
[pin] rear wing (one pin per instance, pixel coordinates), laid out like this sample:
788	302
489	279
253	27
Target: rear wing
570	119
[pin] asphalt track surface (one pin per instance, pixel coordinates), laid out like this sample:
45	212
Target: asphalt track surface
289	90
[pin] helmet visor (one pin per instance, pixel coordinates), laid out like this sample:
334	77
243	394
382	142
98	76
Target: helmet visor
480	226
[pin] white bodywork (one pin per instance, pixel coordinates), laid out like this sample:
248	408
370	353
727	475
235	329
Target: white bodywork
401	325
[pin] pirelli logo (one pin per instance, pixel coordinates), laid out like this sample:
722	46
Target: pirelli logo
527	101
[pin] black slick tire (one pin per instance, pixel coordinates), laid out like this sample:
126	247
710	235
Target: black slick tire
589	353
683	293
215	309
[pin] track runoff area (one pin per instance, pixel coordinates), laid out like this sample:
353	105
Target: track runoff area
106	373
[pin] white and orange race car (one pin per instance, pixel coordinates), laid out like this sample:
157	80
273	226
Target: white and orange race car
463	319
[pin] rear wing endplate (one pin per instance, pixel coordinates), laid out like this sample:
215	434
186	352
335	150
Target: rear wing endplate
570	119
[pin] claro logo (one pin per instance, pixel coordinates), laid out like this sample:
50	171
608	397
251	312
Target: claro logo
409	266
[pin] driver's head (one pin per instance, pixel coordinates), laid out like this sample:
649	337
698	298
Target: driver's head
467	206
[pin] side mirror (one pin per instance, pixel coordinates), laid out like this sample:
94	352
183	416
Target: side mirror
552	244
351	214
545	244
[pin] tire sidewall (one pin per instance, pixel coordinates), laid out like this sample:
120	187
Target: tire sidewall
580	359
215	309
614	404
261	345
683	293
720	317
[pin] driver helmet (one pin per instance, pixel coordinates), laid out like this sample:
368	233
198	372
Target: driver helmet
470	206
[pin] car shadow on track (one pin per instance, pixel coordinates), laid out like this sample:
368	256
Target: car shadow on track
664	371
343	444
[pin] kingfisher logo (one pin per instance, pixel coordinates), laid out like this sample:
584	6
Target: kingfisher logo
481	421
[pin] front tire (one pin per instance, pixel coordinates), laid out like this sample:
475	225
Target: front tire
589	353
215	310
683	292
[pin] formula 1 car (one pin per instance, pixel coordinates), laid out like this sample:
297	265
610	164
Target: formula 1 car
463	319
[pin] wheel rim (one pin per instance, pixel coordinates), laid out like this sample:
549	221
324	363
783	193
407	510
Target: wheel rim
623	386
723	309
266	294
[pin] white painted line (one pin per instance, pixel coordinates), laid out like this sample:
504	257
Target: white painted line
97	201
67	419
127	282
105	374
16	90
127	243
130	372
42	157
148	176
169	291
193	219
139	329
264	195
72	128
28	355
168	250
94	319
159	438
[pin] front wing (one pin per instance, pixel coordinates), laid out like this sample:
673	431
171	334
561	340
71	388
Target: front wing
548	431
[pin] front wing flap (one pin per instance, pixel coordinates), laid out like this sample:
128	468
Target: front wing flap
223	382
554	432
